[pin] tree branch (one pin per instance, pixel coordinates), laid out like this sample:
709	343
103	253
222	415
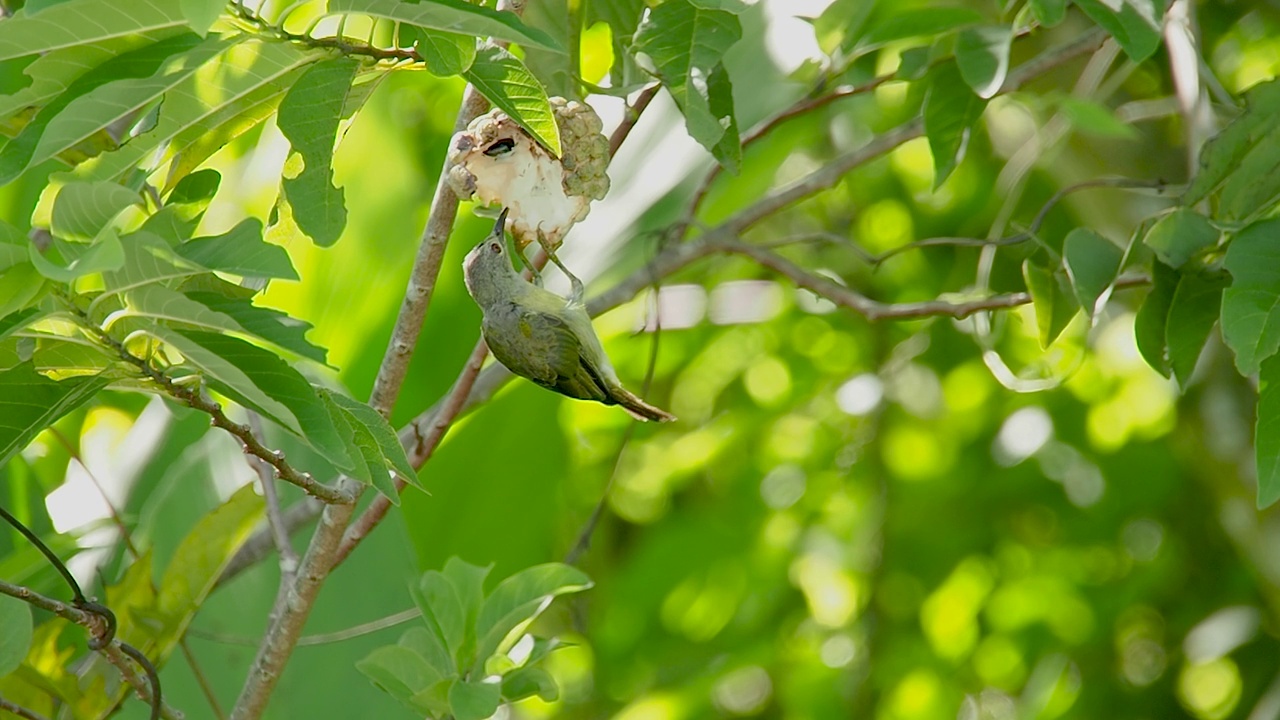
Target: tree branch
96	624
20	711
631	117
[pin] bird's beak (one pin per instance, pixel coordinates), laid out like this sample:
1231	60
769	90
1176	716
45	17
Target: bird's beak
500	226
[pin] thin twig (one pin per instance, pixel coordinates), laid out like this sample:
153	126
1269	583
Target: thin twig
294	602
275	521
98	627
631	117
354	631
20	711
427	436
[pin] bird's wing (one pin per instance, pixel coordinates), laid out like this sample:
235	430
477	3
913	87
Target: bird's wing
551	354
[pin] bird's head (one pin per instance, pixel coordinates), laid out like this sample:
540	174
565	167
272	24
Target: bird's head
487	265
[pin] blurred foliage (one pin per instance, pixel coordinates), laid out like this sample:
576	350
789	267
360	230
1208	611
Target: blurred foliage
1030	513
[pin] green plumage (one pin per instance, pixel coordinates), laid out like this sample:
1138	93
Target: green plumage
540	336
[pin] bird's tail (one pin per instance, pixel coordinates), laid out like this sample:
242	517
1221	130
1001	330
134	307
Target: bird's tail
639	409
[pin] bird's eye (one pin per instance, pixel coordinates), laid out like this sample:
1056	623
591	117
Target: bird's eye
502	147
495	248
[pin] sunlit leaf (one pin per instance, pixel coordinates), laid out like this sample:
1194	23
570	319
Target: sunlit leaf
82	210
199	560
508	84
105	254
271	325
1135	24
201	14
225	377
78	22
242	251
1055	303
518	599
309	117
950	112
983	56
455	16
685	44
1092	263
1180	235
444	53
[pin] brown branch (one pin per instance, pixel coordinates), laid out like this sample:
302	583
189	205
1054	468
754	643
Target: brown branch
248	441
97	627
261	27
631	117
20	711
426	433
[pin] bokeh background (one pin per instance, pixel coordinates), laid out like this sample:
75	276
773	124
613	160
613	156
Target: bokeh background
925	519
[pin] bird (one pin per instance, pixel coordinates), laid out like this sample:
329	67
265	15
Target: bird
541	336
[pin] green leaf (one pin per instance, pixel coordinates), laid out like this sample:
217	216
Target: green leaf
468	581
13	246
446	618
275	327
1092	263
286	386
198	189
950	112
622	17
733	6
201	14
387	442
194	123
16	321
146	261
1195	307
455	16
200	559
157	302
1180	235
983	56
1135	24
242	251
528	681
15	633
1048	12
309	117
1267	433
1254	131
445	54
398	670
1150	327
16	156
1055	303
1251	306
430	647
1095	119
78	22
105	254
31	402
82	210
508	84
921	22
840	25
518	599
119	100
474	700
728	151
368	465
20	285
226	378
685	44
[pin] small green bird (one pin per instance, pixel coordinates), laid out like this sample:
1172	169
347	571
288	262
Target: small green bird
541	336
